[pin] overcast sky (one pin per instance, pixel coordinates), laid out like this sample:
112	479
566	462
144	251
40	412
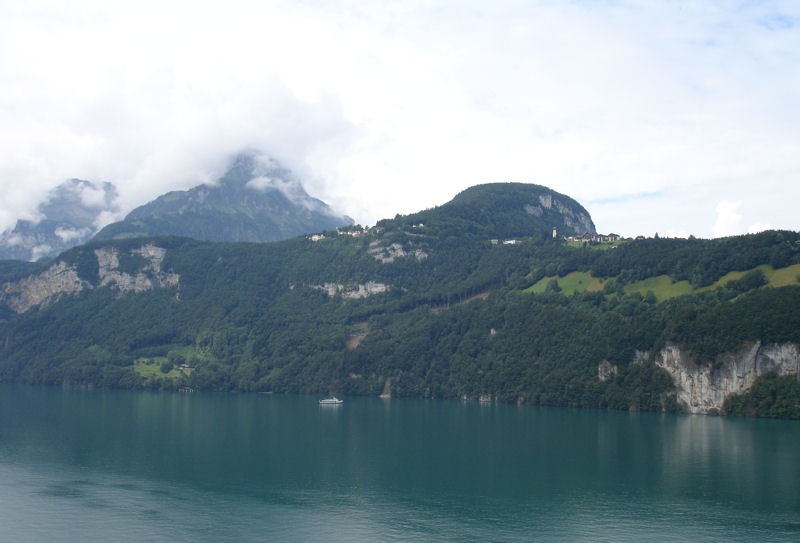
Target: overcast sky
676	117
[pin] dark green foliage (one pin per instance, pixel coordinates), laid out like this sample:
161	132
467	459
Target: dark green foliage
11	270
771	396
454	322
501	210
86	263
701	262
708	327
751	280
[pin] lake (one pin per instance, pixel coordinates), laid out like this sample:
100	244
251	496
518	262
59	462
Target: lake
79	465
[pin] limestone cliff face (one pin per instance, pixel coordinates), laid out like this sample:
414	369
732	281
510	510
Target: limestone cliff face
353	292
578	220
36	290
148	277
62	279
389	253
703	389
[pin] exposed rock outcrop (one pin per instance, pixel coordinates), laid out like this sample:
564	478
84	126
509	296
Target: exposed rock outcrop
41	289
703	389
388	254
63	278
580	222
370	288
606	370
148	277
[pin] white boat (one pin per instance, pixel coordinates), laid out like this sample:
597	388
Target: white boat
331	401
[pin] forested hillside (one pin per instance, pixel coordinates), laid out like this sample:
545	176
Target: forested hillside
436	304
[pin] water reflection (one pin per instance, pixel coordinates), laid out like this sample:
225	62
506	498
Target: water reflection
435	468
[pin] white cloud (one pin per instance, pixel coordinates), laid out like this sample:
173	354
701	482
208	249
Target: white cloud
263	183
729	218
14	239
68	234
104	218
289	188
677	234
393	107
92	197
759	227
40	250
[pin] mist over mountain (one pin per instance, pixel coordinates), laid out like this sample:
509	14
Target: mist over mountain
257	200
69	216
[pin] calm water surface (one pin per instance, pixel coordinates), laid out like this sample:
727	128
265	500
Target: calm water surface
140	466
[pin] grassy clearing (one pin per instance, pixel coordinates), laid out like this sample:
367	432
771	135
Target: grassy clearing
735	276
151	367
784	277
569	284
662	287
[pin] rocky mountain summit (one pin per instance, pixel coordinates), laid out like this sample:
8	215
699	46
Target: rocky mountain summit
257	200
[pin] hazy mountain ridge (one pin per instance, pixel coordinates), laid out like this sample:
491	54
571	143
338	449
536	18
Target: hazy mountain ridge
70	216
257	200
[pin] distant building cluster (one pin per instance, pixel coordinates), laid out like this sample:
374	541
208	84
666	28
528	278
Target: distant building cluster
599	238
354	231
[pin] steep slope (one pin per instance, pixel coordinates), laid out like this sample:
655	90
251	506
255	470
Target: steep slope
256	200
69	217
422	308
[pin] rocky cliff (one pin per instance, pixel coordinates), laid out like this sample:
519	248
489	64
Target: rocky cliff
63	278
703	389
573	215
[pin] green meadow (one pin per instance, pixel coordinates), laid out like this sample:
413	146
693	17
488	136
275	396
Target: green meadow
663	287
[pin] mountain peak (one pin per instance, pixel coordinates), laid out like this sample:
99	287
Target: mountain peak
507	210
262	173
257	200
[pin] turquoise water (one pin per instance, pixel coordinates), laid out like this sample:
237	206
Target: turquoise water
141	466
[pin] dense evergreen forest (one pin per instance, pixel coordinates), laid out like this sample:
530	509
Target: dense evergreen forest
470	300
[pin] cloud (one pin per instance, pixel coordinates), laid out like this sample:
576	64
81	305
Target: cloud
68	234
134	97
759	227
393	107
104	218
677	234
92	196
729	218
